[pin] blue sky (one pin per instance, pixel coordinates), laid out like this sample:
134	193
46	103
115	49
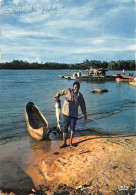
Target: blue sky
67	31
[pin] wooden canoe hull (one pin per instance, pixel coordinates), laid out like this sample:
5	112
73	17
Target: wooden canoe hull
122	79
37	125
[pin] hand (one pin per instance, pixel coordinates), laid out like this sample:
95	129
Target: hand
57	99
85	119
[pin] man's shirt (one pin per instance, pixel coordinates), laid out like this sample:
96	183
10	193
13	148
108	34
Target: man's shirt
72	102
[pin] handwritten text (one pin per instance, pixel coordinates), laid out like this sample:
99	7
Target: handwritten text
8	8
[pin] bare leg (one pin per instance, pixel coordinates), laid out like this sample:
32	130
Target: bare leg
64	138
71	137
64	141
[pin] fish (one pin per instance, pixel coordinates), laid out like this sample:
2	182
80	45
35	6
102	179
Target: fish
58	113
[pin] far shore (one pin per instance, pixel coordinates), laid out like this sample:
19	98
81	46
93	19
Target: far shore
86	64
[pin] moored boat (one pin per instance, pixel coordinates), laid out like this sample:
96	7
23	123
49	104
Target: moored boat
93	74
132	82
68	77
37	125
123	78
126	77
89	78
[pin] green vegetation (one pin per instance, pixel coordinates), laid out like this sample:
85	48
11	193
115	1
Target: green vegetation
119	65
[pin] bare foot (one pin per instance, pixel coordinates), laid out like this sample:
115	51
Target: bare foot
73	145
63	146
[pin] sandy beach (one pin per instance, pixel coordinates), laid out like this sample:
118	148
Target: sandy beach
98	164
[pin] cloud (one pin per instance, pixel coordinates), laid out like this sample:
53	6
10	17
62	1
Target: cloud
87	28
132	47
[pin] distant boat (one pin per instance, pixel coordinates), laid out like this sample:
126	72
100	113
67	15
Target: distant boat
88	78
93	74
97	75
123	78
68	77
37	125
132	82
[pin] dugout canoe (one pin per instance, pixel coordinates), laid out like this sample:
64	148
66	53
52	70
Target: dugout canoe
123	78
37	124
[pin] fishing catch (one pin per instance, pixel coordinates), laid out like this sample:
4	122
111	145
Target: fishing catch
58	112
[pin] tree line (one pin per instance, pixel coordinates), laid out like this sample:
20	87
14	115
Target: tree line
113	65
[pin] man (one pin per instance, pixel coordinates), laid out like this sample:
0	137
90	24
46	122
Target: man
70	110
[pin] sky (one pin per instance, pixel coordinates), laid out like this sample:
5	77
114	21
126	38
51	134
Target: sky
67	31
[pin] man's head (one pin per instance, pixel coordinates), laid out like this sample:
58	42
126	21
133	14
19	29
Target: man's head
76	86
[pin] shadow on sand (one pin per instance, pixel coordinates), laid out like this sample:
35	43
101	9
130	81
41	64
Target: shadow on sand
55	139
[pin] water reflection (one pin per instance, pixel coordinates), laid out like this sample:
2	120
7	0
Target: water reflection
45	146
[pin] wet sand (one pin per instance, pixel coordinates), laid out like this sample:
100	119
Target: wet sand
99	164
16	156
13	158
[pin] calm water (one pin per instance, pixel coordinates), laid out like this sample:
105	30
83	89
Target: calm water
114	111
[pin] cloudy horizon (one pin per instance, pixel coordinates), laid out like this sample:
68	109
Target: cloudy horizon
67	31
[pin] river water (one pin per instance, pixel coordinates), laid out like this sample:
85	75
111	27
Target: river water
114	111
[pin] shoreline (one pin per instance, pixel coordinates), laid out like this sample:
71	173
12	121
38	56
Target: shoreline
49	167
99	163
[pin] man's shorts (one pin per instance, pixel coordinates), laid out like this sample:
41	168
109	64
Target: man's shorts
69	121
